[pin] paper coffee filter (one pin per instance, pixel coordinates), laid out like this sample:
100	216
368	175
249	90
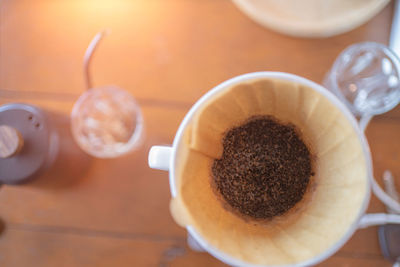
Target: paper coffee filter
329	207
231	108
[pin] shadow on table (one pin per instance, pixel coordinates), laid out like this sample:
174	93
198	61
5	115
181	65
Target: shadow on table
2	226
71	163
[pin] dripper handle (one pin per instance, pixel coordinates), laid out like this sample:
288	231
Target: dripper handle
159	157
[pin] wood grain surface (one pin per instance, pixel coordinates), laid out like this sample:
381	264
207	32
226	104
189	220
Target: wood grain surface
167	53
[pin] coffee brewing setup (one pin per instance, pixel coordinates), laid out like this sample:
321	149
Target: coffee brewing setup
328	153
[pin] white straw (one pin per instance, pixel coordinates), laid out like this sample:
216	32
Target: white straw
87	59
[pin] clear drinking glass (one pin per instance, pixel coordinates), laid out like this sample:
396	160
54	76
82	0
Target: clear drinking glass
107	122
365	76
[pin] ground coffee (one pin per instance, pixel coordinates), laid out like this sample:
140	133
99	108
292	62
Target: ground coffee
264	169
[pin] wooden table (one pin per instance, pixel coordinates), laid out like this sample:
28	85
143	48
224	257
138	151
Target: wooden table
114	212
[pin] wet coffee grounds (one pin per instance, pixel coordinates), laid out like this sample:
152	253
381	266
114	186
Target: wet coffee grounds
264	169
